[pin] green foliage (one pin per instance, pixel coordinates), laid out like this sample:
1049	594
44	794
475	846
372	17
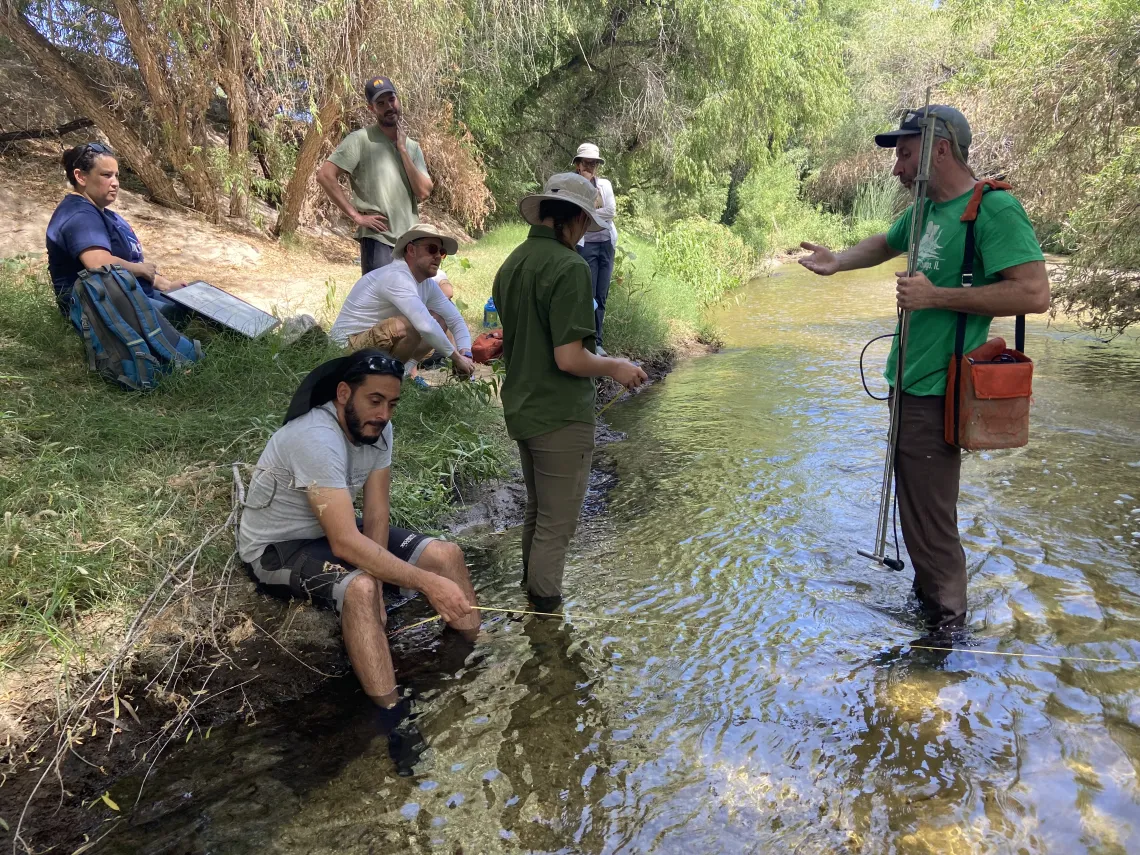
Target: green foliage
103	490
708	256
1060	89
681	92
636	322
1101	284
651	307
773	217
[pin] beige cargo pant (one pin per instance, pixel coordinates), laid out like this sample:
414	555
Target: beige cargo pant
556	469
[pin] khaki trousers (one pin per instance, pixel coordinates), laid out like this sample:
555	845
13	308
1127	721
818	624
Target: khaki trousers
397	337
556	468
927	471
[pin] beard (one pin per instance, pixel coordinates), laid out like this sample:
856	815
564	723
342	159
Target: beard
356	427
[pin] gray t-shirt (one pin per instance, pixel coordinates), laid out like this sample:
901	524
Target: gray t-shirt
378	180
310	451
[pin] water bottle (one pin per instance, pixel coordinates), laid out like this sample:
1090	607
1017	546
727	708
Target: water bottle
490	315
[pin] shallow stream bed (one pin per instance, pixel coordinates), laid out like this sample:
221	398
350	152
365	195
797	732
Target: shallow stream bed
732	677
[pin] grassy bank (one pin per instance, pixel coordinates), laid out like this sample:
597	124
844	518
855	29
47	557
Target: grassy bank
659	293
102	491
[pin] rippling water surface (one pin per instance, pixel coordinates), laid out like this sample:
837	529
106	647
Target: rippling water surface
762	698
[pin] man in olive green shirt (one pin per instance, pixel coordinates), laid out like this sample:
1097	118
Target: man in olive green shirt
386	172
1009	264
545	301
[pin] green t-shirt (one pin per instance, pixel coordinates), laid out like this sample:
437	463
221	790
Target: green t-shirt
378	180
544	299
1003	238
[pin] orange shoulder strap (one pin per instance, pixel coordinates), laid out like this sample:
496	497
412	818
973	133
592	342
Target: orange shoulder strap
971	212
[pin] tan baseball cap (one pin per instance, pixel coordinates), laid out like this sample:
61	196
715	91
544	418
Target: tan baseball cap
569	187
424	230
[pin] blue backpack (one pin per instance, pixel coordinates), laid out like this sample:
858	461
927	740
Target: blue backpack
127	340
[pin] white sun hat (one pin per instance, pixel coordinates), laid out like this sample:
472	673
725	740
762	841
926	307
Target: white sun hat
570	187
588	151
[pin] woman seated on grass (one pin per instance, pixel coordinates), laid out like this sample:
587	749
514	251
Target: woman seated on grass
83	234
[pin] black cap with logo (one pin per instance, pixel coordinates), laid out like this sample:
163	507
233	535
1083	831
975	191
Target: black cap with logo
949	124
376	87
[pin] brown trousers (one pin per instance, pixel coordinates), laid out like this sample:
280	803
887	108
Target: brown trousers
927	471
556	469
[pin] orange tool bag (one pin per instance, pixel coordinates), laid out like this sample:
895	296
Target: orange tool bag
488	346
988	389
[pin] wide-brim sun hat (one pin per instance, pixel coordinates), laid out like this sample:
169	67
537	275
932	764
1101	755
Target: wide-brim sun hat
588	151
424	230
568	187
320	385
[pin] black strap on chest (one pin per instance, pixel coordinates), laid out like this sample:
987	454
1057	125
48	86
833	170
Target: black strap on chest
968	271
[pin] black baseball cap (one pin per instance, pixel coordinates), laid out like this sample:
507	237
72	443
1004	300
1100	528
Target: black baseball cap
319	387
376	87
949	124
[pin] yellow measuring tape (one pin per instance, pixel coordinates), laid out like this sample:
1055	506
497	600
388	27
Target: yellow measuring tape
578	615
613	401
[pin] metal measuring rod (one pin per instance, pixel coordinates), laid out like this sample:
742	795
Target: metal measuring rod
879	554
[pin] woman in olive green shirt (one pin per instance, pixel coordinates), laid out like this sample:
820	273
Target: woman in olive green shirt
545	303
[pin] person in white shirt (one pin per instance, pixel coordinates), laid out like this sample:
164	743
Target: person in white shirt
400	309
597	248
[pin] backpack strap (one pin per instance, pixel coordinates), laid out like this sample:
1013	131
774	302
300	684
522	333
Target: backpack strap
969	217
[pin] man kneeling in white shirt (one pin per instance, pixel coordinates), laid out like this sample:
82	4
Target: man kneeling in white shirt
400	309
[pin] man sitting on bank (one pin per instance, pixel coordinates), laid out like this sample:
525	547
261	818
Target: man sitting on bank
300	536
400	309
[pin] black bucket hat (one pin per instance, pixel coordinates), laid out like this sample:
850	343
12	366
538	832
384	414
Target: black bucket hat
320	386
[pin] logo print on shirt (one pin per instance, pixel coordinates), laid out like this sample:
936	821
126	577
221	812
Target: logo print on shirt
929	248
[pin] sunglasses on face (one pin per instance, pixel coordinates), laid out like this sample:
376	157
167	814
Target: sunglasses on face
433	249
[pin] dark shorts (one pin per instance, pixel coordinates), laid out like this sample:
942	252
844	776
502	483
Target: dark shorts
374	254
308	570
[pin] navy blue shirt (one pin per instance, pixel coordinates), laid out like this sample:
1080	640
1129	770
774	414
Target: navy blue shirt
78	225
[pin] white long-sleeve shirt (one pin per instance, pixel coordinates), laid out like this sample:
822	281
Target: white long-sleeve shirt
392	290
606	214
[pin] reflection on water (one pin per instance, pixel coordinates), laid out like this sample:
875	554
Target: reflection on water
764	701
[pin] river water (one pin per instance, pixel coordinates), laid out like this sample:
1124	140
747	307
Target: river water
762	698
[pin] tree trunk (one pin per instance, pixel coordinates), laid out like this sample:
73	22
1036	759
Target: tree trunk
233	82
328	115
86	101
41	133
289	214
171	119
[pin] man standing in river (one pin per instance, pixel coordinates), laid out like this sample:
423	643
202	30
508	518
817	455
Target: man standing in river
387	173
1009	263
